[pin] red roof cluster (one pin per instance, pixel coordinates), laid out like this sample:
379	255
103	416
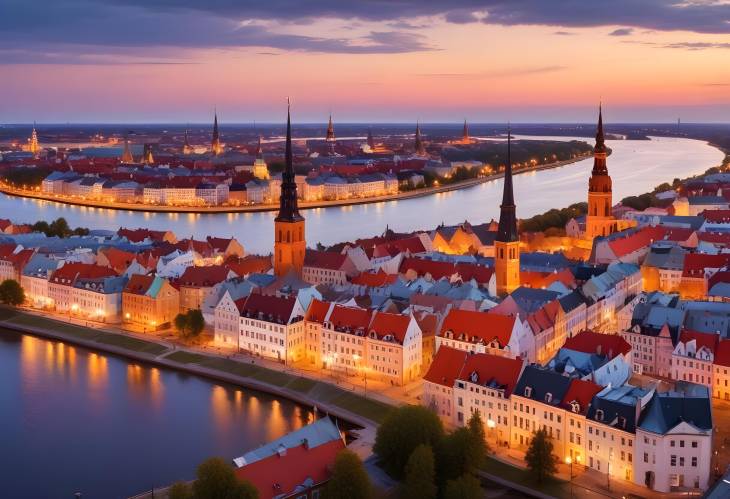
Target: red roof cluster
350	317
374	279
478	326
696	263
324	259
68	273
582	392
385	324
438	270
269	307
707	340
598	343
204	277
716	216
139	235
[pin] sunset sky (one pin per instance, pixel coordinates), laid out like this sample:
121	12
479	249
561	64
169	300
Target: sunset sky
368	60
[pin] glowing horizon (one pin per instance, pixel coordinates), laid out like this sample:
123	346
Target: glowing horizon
84	61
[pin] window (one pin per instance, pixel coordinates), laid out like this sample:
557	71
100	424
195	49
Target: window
673	460
694	461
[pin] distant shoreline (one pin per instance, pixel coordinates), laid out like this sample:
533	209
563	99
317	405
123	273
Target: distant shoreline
305	205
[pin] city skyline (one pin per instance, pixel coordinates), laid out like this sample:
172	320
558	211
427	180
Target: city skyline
92	62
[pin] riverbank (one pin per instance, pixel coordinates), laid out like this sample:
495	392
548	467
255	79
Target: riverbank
342	403
138	207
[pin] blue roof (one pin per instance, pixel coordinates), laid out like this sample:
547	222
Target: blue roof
688	403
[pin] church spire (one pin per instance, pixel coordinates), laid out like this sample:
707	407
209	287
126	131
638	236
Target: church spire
127	153
330	131
418	143
371	140
288	209
215	144
599	151
507	231
465	133
259	149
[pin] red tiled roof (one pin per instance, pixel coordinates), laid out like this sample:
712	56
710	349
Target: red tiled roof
581	391
544	318
590	342
249	264
204	277
351	317
220	244
478	325
722	354
6	250
707	340
696	263
200	247
138	284
427	322
423	266
719	238
446	366
317	311
374	279
274	308
716	216
277	475
118	259
479	273
139	235
5	223
384	324
642	238
20	259
492	369
324	259
68	273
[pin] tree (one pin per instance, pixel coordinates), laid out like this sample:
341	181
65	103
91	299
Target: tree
11	293
59	227
217	480
404	429
196	322
181	323
180	490
349	479
540	459
420	475
478	447
467	486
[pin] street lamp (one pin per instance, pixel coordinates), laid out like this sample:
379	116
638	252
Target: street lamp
569	462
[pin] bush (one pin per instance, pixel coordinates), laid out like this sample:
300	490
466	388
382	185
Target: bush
190	324
465	487
180	490
217	480
403	430
420	475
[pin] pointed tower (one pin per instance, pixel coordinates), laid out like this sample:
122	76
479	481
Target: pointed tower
507	242
260	168
465	133
330	131
147	155
599	219
34	146
371	140
187	148
289	241
127	153
215	145
418	143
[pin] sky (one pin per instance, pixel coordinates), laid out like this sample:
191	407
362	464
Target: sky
164	61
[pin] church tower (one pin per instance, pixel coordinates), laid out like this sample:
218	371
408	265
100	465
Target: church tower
465	134
215	145
599	219
187	148
418	143
507	242
330	131
127	153
289	242
33	145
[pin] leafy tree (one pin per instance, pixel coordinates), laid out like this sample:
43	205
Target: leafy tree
11	293
420	475
181	323
403	430
463	450
349	479
478	447
41	226
59	227
196	322
217	480
180	490
539	457
467	486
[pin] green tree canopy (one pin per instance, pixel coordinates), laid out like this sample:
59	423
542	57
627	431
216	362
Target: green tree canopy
466	486
217	480
180	490
420	475
349	478
539	457
196	322
403	430
11	293
181	323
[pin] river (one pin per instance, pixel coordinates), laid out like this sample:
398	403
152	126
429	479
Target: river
77	421
637	166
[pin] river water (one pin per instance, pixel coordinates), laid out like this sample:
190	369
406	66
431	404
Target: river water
637	166
75	421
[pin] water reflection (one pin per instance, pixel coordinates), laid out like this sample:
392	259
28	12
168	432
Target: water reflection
72	412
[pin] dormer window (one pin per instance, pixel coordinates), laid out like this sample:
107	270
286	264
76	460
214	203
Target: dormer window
599	415
548	397
528	391
474	377
622	422
575	406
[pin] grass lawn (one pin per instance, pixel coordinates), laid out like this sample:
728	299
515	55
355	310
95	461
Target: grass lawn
185	357
41	322
302	385
553	487
132	344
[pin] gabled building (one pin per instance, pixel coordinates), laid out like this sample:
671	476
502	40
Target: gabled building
196	284
272	327
150	302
